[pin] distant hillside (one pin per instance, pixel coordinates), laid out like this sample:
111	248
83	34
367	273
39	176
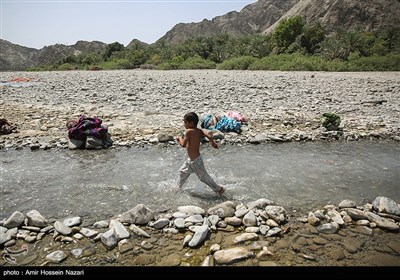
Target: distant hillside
258	18
263	16
15	57
135	44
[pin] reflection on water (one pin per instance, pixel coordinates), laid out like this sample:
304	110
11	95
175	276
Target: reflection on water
101	184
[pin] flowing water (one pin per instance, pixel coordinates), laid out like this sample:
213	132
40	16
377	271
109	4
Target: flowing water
101	184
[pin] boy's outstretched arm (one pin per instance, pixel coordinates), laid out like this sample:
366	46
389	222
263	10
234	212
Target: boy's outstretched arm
211	139
183	141
180	141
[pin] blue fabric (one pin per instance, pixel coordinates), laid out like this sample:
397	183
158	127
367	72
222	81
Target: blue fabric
207	121
227	124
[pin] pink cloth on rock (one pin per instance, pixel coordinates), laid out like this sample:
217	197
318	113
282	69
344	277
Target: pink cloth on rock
237	116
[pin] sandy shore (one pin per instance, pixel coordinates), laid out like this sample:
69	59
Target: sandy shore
138	105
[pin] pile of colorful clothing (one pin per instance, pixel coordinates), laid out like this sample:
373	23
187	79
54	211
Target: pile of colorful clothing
6	128
88	132
228	122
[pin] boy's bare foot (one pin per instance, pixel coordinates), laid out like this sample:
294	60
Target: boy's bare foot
221	191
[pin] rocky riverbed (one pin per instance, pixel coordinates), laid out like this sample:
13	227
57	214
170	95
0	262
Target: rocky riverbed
145	108
258	233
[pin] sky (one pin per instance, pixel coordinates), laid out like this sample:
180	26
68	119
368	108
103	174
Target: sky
36	24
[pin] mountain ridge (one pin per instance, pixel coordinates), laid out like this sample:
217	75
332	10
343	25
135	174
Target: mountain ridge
260	17
263	16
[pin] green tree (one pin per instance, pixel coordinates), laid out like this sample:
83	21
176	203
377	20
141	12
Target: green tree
137	58
71	59
387	41
92	59
165	51
241	45
332	48
341	43
286	33
355	41
392	39
259	46
204	47
187	49
312	36
220	50
112	48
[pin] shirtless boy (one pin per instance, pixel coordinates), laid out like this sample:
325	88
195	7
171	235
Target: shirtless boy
194	162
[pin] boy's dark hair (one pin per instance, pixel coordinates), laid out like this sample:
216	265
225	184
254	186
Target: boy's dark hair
192	117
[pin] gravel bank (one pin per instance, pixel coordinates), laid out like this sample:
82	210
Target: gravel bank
138	105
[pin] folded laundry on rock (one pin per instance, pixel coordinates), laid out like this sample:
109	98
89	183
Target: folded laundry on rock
228	122
88	132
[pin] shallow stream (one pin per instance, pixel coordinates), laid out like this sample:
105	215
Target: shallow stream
101	184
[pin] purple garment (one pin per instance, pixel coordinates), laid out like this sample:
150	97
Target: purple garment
86	126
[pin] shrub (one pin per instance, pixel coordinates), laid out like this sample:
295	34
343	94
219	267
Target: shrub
148	66
297	62
66	66
337	65
197	63
114	64
171	64
271	62
376	63
237	63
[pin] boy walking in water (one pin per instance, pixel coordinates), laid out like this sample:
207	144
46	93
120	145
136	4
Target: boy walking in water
194	162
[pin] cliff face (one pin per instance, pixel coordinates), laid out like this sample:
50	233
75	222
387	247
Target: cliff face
253	18
368	15
263	16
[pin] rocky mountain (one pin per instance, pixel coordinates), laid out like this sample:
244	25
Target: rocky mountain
15	57
264	15
136	44
260	17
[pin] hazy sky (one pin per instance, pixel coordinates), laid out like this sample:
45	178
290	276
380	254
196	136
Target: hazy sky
35	24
